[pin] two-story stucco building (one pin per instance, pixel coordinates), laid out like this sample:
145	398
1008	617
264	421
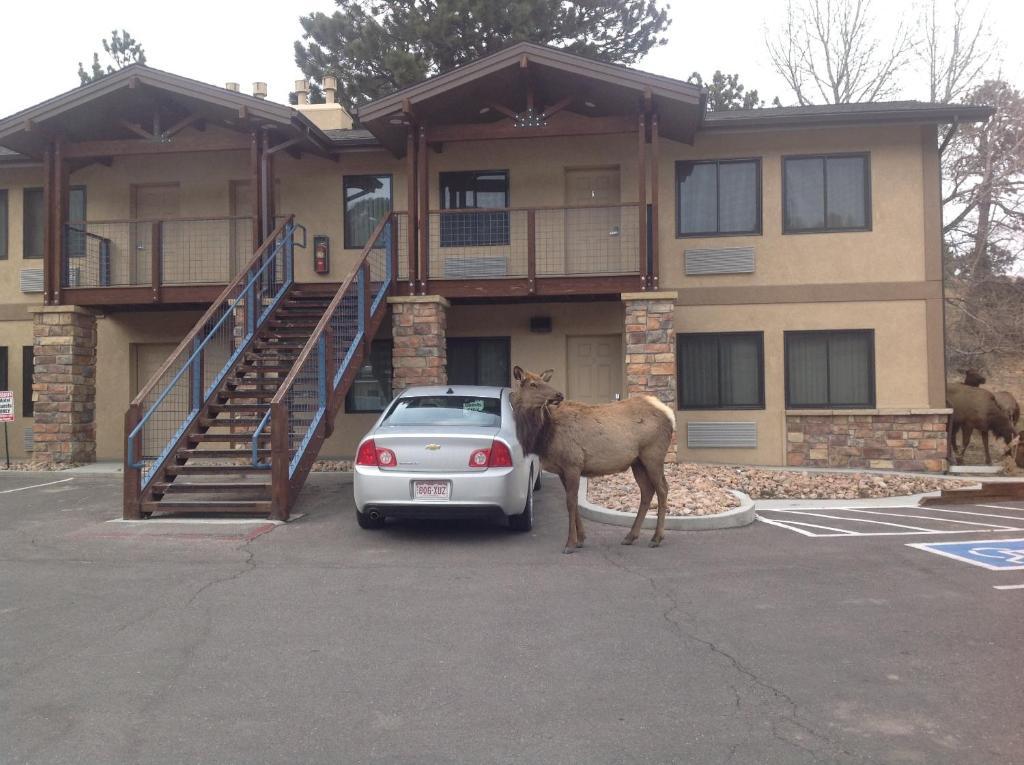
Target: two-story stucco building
775	274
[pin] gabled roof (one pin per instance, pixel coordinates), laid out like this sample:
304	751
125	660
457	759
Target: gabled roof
130	93
596	88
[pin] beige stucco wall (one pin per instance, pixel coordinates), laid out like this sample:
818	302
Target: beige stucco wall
901	377
15	181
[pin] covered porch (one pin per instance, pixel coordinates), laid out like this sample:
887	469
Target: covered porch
467	237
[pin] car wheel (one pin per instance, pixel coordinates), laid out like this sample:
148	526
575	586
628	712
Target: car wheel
368	521
524	521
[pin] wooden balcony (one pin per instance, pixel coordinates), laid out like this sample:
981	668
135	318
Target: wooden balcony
138	262
525	252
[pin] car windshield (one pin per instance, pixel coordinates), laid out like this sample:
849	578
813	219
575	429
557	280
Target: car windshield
471	411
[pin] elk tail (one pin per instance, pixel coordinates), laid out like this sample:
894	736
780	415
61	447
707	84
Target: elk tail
664	409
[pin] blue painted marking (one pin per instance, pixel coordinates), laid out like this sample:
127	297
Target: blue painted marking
993	554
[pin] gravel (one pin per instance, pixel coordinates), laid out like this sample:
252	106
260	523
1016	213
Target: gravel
702	489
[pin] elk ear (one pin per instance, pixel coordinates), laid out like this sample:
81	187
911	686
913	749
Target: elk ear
547	374
517	373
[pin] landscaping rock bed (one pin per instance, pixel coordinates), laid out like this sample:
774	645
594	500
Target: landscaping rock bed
703	489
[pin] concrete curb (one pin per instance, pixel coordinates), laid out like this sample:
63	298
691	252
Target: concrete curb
734	518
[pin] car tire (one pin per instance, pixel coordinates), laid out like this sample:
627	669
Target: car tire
536	484
524	521
366	522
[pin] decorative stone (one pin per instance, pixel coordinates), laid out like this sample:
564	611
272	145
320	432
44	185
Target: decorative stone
651	349
419	330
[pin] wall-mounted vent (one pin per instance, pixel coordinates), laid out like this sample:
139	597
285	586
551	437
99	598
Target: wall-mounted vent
725	260
475	268
31	280
28	440
721	435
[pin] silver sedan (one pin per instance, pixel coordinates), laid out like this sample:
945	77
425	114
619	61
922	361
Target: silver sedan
445	452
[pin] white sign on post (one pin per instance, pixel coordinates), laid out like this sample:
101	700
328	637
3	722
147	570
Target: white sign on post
6	406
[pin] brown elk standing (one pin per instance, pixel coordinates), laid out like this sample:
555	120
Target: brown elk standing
975	408
574	440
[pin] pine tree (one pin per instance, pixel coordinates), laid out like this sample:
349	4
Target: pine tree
375	48
726	93
122	49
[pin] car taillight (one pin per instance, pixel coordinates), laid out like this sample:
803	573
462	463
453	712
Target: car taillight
370	455
497	456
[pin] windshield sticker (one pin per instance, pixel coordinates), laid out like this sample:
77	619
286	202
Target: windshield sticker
473	406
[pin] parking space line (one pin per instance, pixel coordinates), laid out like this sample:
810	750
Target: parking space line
852	520
1017	518
1003	507
36	486
790	525
929	518
1008	586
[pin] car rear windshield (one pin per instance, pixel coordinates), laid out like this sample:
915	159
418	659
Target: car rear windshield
472	411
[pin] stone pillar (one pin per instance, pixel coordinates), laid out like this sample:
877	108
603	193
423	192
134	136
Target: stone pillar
419	329
64	385
651	348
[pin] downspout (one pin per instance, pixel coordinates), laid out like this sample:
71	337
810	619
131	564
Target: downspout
942	246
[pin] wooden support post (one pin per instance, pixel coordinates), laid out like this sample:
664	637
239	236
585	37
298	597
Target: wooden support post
280	456
132	475
266	187
411	205
156	258
61	199
393	253
48	213
423	200
257	194
654	202
641	176
531	249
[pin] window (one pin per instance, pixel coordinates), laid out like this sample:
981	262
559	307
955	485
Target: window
479	361
826	193
721	371
718	197
474	190
34	221
27	366
830	369
471	411
367	201
371	390
3	368
3	227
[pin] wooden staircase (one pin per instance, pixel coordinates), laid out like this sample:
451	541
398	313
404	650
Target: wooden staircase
234	419
213	468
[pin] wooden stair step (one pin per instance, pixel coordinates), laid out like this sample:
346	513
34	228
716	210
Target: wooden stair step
228	408
246	369
226	437
230	394
213	469
176	487
236	423
218	453
207	505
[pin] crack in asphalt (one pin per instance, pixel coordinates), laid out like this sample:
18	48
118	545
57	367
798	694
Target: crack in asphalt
738	666
248	565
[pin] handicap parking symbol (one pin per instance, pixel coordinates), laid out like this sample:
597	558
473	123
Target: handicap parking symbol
993	554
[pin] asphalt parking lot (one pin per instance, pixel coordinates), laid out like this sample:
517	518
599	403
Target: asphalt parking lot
448	642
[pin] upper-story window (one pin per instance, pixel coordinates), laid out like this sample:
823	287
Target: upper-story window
34	218
474	190
716	197
367	201
826	193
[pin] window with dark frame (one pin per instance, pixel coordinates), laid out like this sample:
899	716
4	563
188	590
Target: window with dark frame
721	370
718	197
474	190
830	369
3	226
27	367
367	200
479	361
34	221
371	389
826	193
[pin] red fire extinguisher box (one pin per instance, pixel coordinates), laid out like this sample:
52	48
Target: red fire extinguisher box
321	254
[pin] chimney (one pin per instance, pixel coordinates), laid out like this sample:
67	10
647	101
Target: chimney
232	86
259	89
301	92
330	89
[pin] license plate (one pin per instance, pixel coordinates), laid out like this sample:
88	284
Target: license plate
434	491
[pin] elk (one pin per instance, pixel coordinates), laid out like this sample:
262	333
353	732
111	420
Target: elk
973	377
577	440
976	409
1008	404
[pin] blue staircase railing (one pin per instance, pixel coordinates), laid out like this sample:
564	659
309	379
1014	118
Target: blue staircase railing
168	405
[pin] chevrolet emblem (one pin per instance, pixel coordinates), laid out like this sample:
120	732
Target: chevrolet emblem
433	447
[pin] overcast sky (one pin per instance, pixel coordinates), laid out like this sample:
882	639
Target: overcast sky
229	40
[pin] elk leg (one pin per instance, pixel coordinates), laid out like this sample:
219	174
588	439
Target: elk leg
581	535
572	488
658	478
646	492
984	440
